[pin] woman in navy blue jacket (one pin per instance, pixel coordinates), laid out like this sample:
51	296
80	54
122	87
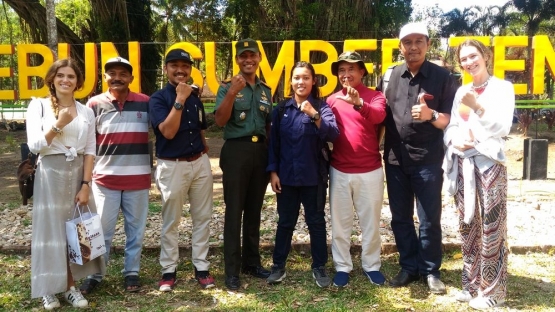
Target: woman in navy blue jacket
298	163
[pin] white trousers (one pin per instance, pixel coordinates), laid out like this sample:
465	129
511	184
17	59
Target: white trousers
175	180
364	193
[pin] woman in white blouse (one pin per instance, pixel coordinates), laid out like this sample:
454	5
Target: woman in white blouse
481	117
62	130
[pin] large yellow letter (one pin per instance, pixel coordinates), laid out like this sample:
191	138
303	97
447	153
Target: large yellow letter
501	65
210	60
542	51
7	72
91	71
324	69
362	44
108	51
285	60
196	54
26	71
388	45
455	41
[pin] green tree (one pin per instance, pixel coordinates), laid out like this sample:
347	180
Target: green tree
458	23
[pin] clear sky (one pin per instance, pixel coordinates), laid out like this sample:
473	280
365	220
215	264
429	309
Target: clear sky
448	5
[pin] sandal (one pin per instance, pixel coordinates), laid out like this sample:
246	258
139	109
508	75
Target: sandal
132	283
89	284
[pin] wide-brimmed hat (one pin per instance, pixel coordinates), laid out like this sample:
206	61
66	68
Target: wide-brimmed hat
350	57
246	45
178	55
413	28
118	61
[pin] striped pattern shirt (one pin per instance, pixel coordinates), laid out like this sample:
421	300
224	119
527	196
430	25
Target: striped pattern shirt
123	160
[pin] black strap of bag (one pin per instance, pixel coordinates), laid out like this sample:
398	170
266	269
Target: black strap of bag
26	170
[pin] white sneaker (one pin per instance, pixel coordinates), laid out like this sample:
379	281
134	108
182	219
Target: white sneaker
484	303
76	298
463	296
50	302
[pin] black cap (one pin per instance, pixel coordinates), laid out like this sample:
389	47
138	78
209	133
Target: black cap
118	61
177	55
246	45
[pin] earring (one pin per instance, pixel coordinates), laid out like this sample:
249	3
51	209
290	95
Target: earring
52	86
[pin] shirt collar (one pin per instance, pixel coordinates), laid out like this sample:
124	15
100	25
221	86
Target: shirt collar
424	70
292	101
171	87
113	99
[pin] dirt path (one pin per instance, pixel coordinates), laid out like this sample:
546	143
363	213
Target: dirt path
10	158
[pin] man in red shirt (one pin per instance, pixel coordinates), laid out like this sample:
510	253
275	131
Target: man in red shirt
356	175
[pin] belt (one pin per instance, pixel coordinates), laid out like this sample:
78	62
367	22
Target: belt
253	139
189	158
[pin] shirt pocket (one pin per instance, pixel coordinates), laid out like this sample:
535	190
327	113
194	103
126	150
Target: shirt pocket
308	127
241	110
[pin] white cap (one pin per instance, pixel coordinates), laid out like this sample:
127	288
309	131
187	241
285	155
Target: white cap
413	28
118	61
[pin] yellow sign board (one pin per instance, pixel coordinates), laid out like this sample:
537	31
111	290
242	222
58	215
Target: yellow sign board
543	56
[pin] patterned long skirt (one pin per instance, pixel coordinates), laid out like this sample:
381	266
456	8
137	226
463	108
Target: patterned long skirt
484	240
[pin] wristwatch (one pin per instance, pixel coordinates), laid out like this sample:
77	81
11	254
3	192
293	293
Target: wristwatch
88	183
178	106
479	111
315	117
359	107
435	116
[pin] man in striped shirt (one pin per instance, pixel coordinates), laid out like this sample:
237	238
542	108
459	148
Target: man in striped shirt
121	175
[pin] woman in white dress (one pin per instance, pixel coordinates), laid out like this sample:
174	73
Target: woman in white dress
62	130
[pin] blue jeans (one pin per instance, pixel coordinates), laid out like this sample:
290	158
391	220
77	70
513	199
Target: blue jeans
289	202
134	207
418	254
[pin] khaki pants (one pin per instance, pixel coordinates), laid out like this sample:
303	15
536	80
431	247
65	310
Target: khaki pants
176	180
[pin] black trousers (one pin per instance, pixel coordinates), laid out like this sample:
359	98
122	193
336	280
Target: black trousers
244	182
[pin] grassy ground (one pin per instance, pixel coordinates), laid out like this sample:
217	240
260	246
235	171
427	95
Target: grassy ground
531	288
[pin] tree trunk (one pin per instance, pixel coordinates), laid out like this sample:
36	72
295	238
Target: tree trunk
51	27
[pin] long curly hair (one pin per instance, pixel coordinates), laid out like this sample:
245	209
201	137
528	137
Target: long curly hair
51	74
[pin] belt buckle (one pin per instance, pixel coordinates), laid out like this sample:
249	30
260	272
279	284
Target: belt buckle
254	138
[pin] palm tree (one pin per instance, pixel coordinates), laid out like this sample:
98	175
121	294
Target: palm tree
457	22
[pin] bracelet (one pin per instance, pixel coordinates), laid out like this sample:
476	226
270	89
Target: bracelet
88	183
56	130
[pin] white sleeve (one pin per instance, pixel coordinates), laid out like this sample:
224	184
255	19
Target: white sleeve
497	119
90	147
34	126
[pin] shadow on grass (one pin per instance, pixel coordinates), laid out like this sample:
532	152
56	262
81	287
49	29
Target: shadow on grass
530	288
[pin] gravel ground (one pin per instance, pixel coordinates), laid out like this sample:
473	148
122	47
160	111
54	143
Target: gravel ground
531	212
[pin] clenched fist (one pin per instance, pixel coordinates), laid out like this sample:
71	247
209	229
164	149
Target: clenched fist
238	82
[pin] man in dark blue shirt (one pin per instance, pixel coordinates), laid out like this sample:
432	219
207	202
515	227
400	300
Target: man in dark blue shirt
183	168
